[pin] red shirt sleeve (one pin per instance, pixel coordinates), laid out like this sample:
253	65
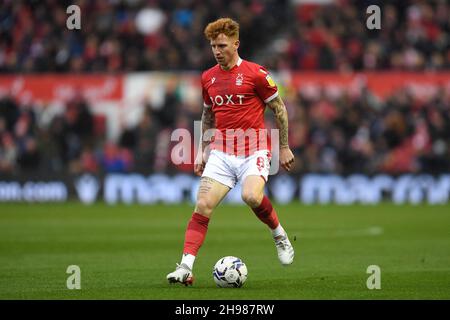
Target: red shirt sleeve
206	98
265	86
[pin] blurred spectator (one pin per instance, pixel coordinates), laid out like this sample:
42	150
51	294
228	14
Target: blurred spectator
87	162
8	153
116	159
9	112
167	112
29	157
146	132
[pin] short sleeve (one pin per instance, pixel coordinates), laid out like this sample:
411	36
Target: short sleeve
206	98
266	88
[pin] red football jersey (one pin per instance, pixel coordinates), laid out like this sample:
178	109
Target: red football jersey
238	99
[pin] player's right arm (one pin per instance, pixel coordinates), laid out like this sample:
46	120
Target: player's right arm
207	123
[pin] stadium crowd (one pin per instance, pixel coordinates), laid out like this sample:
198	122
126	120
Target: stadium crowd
341	134
123	36
360	133
133	35
414	35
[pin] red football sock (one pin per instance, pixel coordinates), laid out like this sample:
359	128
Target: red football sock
195	233
266	213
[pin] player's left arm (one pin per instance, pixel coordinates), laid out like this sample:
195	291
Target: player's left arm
281	118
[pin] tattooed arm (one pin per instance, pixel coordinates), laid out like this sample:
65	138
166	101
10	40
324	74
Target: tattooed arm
207	123
281	117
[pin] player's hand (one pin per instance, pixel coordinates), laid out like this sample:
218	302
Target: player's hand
286	158
199	164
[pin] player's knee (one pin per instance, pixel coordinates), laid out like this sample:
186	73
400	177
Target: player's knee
253	199
204	207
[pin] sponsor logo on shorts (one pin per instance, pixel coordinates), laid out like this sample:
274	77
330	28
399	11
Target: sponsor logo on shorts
260	163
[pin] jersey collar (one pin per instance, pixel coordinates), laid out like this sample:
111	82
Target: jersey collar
238	63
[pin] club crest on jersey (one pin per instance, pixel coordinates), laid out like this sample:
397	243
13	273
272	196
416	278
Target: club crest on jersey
213	80
239	79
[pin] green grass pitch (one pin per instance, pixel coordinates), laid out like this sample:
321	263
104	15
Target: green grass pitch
125	252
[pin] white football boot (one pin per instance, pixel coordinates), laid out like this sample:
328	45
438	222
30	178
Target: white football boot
285	249
182	274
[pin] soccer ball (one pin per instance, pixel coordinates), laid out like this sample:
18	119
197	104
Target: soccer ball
230	272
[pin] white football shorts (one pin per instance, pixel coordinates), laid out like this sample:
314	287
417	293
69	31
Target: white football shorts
229	169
